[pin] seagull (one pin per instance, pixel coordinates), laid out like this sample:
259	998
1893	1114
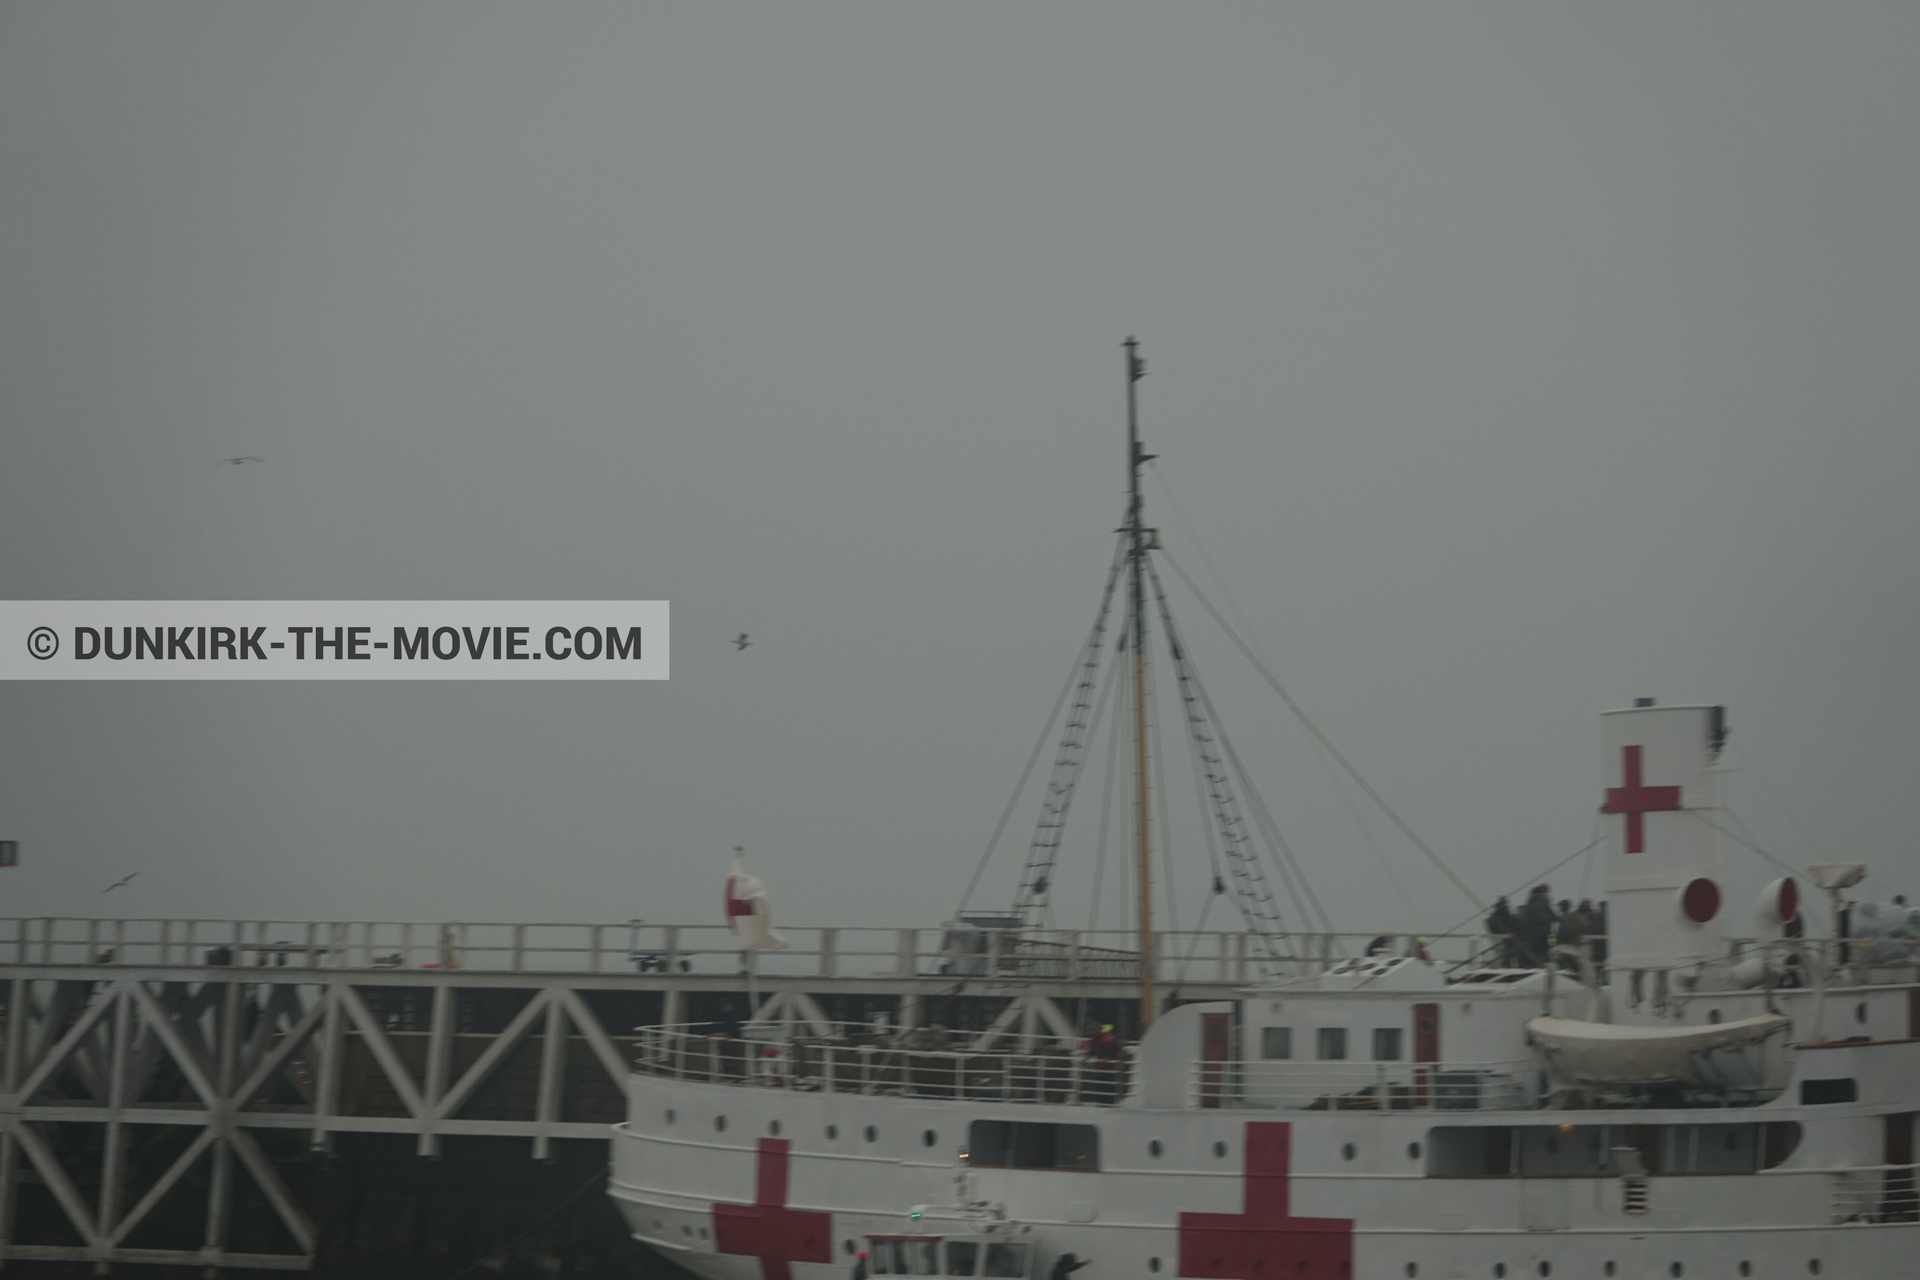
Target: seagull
120	882
234	462
742	642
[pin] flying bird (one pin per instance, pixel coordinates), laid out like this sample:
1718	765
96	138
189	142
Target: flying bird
234	462
742	642
123	880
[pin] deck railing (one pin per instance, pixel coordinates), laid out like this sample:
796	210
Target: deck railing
911	1064
1366	1086
1875	1193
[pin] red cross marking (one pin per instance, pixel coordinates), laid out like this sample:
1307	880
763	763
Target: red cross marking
1636	800
767	1229
1264	1242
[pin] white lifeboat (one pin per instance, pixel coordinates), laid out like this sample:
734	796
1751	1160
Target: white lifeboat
1721	1056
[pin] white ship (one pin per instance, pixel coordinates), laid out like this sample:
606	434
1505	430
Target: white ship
1719	1094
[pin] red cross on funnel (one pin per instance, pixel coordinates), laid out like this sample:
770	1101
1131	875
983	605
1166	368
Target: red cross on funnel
767	1229
1636	800
1264	1242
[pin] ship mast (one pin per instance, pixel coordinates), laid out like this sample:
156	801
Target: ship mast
1137	607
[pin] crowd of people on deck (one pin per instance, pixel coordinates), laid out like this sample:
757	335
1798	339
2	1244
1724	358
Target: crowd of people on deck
1527	936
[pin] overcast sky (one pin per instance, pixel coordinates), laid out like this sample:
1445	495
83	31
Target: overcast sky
1507	362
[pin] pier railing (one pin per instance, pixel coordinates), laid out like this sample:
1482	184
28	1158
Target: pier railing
912	1064
962	952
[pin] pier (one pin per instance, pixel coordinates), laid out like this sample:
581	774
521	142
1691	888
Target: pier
146	1060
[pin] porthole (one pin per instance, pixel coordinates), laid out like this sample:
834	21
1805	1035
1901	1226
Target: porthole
1220	1150
1860	1012
872	1133
1499	1270
1813	1266
1713	1015
833	1131
1413	1269
1153	1264
671	1116
850	1247
1676	1270
1546	1268
929	1137
686	1231
719	1124
1154	1148
703	1233
1347	1152
1413	1151
1746	1268
773	1127
1607	1270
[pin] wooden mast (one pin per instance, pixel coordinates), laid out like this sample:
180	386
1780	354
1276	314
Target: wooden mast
1137	369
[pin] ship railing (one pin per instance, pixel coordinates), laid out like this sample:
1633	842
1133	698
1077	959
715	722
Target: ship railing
1366	1086
1875	1193
913	1063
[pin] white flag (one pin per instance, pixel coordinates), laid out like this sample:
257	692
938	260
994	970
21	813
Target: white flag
748	912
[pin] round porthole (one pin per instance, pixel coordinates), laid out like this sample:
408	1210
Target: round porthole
872	1133
833	1131
719	1124
929	1137
1347	1152
1413	1151
687	1232
773	1127
671	1116
1713	1015
1220	1150
703	1233
1154	1148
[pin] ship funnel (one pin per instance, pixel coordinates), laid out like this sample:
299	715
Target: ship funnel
1662	801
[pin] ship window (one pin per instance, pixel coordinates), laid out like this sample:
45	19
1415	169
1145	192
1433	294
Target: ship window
1815	1093
1276	1042
1017	1144
926	1257
1004	1259
1386	1044
962	1257
1332	1043
1777	1142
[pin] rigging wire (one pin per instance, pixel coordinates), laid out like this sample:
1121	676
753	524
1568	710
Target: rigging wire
1771	792
1300	714
1020	787
1159	766
1590	845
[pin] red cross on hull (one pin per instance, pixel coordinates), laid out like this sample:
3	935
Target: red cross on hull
1264	1242
767	1229
1636	800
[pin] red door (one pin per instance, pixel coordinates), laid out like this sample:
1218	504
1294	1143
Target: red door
1215	1047
1426	1049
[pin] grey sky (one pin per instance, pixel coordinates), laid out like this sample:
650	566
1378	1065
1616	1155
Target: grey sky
1510	361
